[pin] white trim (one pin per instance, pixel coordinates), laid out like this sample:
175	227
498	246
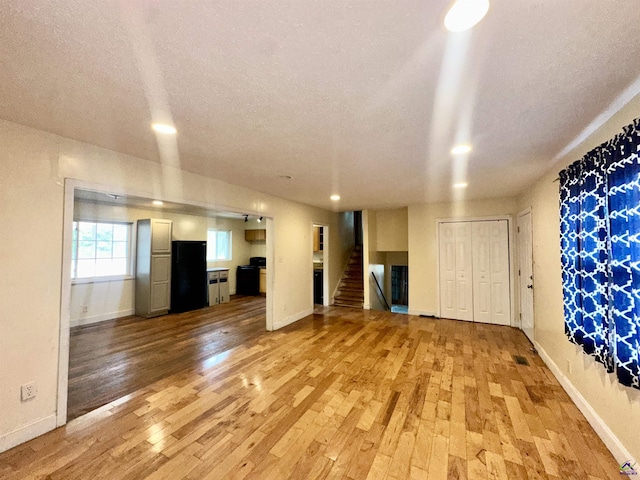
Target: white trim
293	319
112	278
612	442
26	433
65	302
271	271
77	322
423	312
326	298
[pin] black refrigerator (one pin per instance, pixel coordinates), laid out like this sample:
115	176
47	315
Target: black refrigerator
188	275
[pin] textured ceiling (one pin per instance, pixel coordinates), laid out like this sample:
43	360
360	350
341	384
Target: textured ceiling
362	98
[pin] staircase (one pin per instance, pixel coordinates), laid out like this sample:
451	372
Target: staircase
350	291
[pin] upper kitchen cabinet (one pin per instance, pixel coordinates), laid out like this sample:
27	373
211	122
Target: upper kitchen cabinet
255	235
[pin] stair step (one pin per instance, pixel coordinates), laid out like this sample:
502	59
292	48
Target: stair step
351	289
348	304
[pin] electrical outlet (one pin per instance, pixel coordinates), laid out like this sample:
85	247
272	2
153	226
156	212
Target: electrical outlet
28	391
85	309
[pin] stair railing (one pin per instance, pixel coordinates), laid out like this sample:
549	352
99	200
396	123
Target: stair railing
381	292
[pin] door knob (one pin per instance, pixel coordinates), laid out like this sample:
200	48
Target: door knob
530	286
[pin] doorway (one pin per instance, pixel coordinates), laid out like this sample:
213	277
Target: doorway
399	288
525	273
70	295
320	261
474	278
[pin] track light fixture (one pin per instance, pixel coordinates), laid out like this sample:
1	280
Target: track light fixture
259	219
246	218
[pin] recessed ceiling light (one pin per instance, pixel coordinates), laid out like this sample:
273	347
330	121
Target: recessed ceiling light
335	198
162	128
464	14
461	149
460	185
158	202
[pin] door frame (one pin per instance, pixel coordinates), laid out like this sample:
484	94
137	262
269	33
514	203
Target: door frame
527	211
511	243
326	301
70	185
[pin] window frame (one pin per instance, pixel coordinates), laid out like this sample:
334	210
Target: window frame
130	253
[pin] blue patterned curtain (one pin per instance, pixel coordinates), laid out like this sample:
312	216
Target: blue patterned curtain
600	253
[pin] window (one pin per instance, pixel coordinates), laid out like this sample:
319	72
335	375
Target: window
100	249
218	245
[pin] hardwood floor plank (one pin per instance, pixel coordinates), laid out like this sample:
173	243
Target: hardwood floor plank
343	393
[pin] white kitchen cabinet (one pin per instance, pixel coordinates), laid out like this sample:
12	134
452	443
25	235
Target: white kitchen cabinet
153	267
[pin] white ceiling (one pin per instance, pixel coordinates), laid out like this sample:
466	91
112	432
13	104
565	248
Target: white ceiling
361	98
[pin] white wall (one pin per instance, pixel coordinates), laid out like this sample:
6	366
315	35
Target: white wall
391	230
423	244
615	408
95	301
34	166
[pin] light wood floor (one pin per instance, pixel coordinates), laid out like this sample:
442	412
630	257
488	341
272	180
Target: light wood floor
341	394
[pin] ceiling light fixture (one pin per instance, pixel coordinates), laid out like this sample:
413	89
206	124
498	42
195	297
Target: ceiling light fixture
246	218
460	185
464	14
163	128
158	202
460	149
335	197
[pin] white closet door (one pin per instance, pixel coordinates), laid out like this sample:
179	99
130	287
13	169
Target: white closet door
492	302
447	249
456	271
481	272
464	271
474	271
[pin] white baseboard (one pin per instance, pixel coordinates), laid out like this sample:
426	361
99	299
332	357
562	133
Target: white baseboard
422	312
76	322
26	433
612	442
292	319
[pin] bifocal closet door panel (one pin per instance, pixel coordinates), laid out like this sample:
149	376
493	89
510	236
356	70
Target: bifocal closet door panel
464	271
456	271
481	272
447	249
491	296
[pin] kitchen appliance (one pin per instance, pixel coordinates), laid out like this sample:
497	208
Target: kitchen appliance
248	276
188	275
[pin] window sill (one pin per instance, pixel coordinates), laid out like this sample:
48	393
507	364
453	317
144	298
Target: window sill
114	278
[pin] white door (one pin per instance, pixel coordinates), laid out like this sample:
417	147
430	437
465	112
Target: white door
491	293
456	271
474	271
525	270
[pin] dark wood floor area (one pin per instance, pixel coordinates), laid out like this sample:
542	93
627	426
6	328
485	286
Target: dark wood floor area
343	393
111	359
